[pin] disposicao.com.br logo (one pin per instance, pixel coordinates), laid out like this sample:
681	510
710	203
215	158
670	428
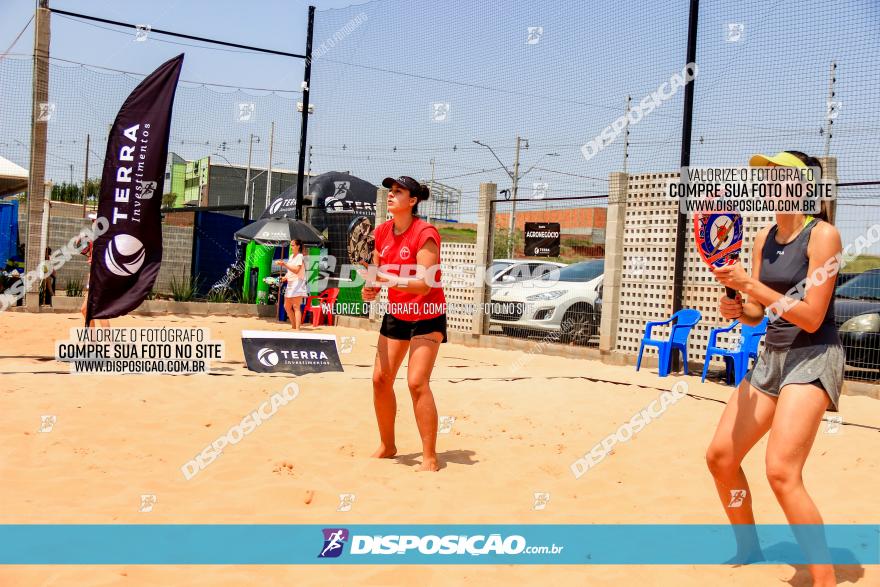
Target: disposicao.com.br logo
334	540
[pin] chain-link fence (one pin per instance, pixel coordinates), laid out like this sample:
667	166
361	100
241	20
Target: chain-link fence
546	273
546	100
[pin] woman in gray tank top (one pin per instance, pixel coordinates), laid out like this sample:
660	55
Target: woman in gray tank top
797	377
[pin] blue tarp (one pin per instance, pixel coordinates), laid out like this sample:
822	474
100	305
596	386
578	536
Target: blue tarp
8	231
213	247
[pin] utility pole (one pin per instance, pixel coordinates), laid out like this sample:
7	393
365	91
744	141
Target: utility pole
269	169
433	195
626	132
303	135
831	108
514	177
85	193
686	129
309	173
247	180
37	172
512	227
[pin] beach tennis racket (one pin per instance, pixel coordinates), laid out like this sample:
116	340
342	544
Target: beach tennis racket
361	244
719	239
361	241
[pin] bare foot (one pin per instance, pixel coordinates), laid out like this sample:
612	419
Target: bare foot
747	557
384	452
429	464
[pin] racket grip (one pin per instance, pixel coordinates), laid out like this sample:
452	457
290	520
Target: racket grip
731	293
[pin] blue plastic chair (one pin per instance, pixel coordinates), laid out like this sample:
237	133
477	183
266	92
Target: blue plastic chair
756	333
684	320
736	360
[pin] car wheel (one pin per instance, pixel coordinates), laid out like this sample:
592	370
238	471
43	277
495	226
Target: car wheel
578	325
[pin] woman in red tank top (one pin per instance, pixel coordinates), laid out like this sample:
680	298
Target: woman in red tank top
407	252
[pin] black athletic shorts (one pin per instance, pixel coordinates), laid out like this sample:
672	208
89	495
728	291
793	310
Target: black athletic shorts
406	329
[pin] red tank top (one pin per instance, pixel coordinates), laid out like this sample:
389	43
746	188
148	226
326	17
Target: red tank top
399	251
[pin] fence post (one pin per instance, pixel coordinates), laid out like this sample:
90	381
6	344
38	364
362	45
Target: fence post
614	230
37	168
381	215
829	173
484	255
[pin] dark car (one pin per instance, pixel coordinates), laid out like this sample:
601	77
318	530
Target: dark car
857	312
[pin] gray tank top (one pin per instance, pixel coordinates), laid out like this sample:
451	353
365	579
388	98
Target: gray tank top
783	267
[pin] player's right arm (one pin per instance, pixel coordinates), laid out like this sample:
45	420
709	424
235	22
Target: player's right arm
749	312
368	294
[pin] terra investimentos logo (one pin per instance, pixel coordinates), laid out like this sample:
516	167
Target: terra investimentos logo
267	357
125	255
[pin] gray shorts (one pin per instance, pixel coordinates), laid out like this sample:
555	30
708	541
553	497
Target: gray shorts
821	364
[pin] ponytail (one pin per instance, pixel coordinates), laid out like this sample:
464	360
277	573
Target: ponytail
422	193
809	161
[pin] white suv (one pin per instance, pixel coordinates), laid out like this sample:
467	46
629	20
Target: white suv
562	301
505	271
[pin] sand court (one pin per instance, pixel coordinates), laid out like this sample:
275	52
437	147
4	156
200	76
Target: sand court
511	427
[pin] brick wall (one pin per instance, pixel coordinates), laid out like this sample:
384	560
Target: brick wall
572	221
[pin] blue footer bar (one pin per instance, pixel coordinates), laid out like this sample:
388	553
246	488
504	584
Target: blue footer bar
605	544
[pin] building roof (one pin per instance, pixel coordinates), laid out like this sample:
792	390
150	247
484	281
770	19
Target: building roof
13	178
221	163
8	169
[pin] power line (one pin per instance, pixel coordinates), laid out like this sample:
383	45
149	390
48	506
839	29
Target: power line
203	84
17	37
105	28
571	174
467	174
173	34
476	86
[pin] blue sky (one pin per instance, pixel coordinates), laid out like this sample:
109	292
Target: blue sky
278	24
374	90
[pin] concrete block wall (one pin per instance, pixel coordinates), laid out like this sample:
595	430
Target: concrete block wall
648	258
457	268
458	263
176	243
61	230
639	272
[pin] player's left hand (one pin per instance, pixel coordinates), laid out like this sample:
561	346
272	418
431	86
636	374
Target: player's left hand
733	276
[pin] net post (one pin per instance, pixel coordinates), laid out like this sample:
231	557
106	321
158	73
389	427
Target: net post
618	184
483	257
37	171
381	214
829	174
686	128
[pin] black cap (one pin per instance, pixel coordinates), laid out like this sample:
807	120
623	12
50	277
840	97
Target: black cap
405	182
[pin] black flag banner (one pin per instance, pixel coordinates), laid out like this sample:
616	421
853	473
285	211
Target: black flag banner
126	258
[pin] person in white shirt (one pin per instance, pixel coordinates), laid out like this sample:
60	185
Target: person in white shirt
297	286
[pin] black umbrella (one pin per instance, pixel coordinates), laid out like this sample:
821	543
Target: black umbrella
279	232
342	192
332	193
